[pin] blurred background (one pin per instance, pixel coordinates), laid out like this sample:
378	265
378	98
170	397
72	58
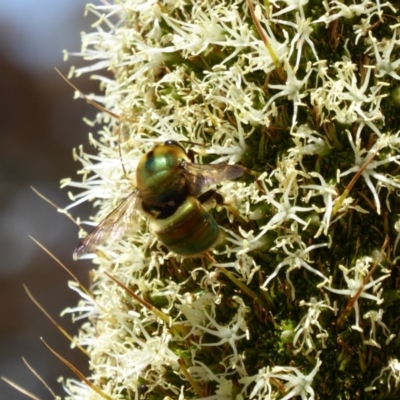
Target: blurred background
40	124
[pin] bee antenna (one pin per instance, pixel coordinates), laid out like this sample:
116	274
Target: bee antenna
192	143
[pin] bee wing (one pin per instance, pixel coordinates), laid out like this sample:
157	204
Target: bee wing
201	176
113	226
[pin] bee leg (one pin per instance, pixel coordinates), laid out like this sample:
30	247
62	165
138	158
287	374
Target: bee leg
211	198
190	153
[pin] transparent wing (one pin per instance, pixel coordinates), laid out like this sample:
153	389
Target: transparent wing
201	176
119	222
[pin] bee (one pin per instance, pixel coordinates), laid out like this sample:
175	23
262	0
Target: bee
174	194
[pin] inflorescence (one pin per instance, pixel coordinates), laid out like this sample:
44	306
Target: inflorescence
300	299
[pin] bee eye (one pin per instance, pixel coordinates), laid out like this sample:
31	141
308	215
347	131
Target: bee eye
173	143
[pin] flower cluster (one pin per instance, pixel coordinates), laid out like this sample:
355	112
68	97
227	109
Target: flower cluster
298	298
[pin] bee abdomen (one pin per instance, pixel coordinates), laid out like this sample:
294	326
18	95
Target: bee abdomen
190	230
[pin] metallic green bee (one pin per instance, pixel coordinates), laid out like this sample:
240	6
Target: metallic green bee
171	192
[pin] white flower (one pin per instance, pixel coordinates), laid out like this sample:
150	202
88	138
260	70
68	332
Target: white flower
328	193
292	5
304	30
227	334
295	259
384	65
262	387
366	7
286	210
293	89
369	167
296	382
375	318
393	368
305	328
356	286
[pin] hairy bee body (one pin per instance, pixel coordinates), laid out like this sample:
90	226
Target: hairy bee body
189	231
171	191
160	177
